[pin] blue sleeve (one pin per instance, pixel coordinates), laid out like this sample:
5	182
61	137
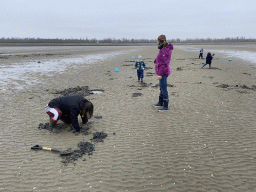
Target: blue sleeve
144	65
135	64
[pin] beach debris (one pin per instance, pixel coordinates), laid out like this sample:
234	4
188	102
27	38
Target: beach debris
223	86
230	59
179	69
116	69
133	57
95	92
136	94
99	136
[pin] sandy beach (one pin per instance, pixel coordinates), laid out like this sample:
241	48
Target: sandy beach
205	142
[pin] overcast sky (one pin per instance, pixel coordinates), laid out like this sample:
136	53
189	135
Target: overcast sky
127	18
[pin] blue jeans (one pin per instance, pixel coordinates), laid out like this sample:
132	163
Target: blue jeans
163	87
207	64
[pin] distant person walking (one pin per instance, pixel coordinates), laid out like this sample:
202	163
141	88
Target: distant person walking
201	53
140	65
163	70
208	60
67	109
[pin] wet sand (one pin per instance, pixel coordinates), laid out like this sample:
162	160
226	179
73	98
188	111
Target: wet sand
205	142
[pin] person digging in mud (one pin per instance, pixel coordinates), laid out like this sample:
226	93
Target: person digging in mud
67	109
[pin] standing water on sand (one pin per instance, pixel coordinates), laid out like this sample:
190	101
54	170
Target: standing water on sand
22	71
240	52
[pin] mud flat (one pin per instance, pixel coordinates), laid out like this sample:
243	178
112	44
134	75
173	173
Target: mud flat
205	142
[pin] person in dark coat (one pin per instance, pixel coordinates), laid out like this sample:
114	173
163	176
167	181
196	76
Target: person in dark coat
67	109
201	53
208	60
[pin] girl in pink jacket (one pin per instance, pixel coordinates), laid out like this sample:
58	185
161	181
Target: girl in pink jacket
162	68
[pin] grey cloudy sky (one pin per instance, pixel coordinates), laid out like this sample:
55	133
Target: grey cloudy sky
127	18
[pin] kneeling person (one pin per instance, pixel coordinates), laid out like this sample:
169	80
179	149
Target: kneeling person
67	109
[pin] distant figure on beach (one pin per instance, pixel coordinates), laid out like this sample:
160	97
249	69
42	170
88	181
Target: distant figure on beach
140	65
208	60
67	109
163	70
201	53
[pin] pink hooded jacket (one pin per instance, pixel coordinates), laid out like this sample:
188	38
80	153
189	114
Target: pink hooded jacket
163	59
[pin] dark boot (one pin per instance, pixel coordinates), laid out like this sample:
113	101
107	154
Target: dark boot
165	107
160	102
138	79
141	80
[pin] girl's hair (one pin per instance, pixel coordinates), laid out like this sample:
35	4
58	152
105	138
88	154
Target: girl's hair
162	39
209	53
88	109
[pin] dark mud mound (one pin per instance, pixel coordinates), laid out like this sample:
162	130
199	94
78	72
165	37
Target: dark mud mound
179	69
223	86
99	136
84	147
83	91
149	74
136	94
98	117
58	129
49	128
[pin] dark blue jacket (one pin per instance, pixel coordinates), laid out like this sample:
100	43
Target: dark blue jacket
139	65
209	59
71	107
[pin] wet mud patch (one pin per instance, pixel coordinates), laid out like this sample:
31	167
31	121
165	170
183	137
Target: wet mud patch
84	148
58	128
136	94
243	87
83	91
223	86
157	85
149	74
127	64
49	128
179	69
98	117
99	137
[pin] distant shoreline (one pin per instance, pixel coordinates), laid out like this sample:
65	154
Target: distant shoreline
115	44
